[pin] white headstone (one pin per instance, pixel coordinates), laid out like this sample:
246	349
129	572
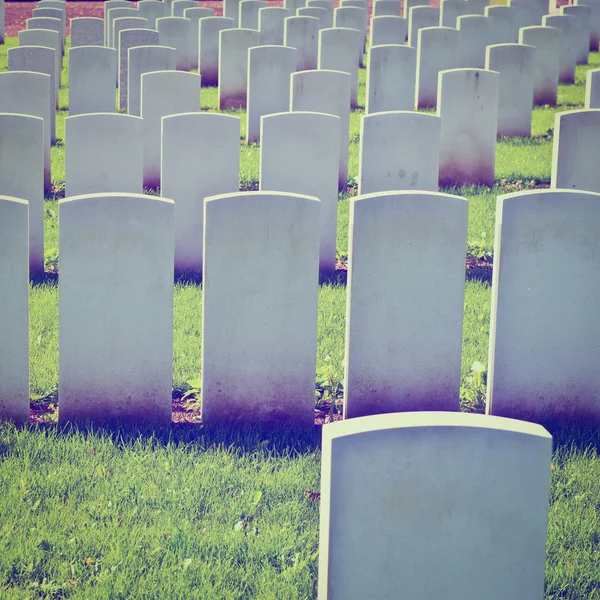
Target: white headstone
122	24
399	150
92	72
271	23
1	21
293	5
43	37
544	327
269	71
52	13
111	15
530	13
200	158
592	89
296	144
506	24
194	14
176	32
570	27
87	31
178	7
393	336
145	59
326	4
152	10
408	4
115	307
302	33
22	176
209	29
164	93
233	66
388	30
252	242
248	17
420	17
325	18
390	78
475	33
584	14
438	49
326	92
450	10
399	511
353	17
547	44
231	10
48	23
516	65
108	5
594	21
384	8
468	106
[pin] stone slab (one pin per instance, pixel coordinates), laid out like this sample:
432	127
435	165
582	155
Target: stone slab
87	31
208	47
271	22
194	14
383	8
475	33
176	32
152	10
248	15
570	28
43	37
116	13
388	30
420	17
592	89
302	33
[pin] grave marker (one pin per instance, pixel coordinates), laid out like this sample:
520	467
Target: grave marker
420	17
302	33
592	89
570	27
271	24
248	17
87	31
384	8
194	15
388	30
475	32
43	37
208	47
152	10
175	32
116	13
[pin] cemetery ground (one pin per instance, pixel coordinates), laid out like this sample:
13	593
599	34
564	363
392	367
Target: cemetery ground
224	514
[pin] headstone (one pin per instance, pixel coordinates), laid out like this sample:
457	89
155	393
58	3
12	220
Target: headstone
339	49
178	7
293	5
506	24
194	15
353	17
302	33
408	4
570	27
450	10
594	5
249	238
115	142
52	13
175	32
384	8
326	4
547	44
325	18
270	24
111	15
516	65
530	14
231	10
145	59
26	93
208	47
164	93
438	49
47	23
130	38
326	92
200	158
115	307
399	150
284	167
584	14
399	510
592	89
22	176
269	71
87	31
108	5
388	30
233	66
468	106
544	326
390	78
248	17
476	7
92	71
43	37
475	32
126	23
420	17
152	10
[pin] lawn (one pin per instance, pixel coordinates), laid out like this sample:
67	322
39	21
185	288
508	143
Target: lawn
216	514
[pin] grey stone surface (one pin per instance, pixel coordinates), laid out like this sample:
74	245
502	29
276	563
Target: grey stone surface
594	5
252	242
584	14
231	10
208	47
388	30
408	4
420	17
194	14
353	17
270	24
53	13
592	89
570	27
43	37
475	33
324	16
115	307
47	23
248	15
507	22
176	32
302	33
178	7
383	8
116	13
293	5
1	21
152	10
87	31
450	10
108	5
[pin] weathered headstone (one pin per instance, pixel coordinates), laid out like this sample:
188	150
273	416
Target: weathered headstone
248	17
420	17
399	510
302	33
315	150
271	24
194	14
209	30
475	33
570	28
175	32
388	30
249	238
592	89
115	307
87	31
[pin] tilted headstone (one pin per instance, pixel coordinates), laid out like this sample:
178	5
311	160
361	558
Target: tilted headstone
302	33
570	27
420	17
164	93
22	176
544	327
388	30
178	7
92	72
269	71
475	33
516	65
398	510
152	10
233	66
176	32
353	17
383	8
547	44
209	30
194	15
43	37
399	150
110	16
326	92
115	309
271	24
584	14
14	307
200	158
468	106
87	31
284	167
249	238
390	78
248	17
592	89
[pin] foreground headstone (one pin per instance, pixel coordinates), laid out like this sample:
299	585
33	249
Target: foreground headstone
25	93
516	65
269	71
87	31
200	158
302	33
164	93
175	32
592	89
194	14
249	238
399	150
420	17
271	21
103	153
22	176
570	28
544	327
468	106
573	155
390	78
399	510
475	33
209	30
388	30
14	307
116	309
284	167
326	92
547	44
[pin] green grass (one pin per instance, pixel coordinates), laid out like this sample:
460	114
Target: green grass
122	515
